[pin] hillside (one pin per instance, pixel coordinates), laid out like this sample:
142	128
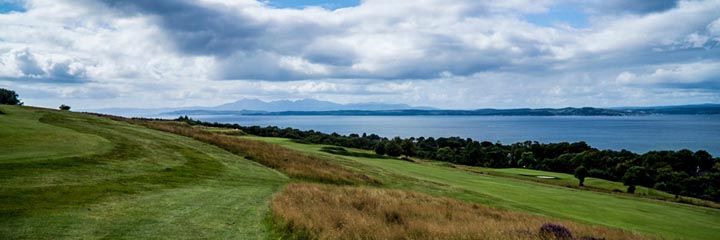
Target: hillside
647	216
67	175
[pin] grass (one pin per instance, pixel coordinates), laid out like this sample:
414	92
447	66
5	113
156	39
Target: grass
42	141
313	211
294	163
79	176
69	175
647	216
226	131
569	180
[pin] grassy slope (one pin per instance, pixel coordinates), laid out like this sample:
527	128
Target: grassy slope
67	175
671	220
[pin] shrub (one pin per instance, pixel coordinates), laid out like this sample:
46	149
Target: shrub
64	107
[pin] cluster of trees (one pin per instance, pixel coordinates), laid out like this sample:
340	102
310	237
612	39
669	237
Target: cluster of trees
9	97
682	172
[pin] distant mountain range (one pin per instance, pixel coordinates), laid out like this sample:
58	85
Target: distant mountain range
705	109
245	106
307	105
316	107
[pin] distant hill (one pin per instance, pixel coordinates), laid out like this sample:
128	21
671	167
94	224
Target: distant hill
245	106
317	107
696	109
307	105
705	109
480	112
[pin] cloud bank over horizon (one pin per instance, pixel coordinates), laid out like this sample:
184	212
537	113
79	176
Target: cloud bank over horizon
447	54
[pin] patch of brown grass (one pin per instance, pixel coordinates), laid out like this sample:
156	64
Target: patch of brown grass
316	211
291	162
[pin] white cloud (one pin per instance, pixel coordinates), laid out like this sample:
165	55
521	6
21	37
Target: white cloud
455	54
691	75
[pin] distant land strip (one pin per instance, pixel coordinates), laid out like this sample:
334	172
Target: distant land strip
706	109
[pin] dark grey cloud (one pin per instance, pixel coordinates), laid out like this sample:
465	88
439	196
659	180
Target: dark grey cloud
197	29
27	64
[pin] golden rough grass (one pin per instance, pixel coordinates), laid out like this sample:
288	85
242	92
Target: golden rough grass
291	162
316	211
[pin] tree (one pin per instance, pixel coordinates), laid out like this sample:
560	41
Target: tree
393	149
633	176
9	97
704	159
380	148
408	147
445	154
64	107
527	159
581	173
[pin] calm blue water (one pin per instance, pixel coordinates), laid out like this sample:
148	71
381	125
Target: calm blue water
635	133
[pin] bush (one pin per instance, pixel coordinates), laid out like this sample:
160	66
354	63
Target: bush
64	107
554	231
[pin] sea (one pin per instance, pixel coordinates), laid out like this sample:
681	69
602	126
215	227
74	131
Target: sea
639	134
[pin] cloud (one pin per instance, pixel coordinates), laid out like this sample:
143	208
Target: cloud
23	65
700	75
197	28
456	54
642	7
26	63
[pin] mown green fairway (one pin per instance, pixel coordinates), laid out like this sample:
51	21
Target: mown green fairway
569	180
653	217
68	175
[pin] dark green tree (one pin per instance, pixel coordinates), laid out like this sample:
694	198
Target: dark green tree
633	176
393	149
704	159
527	159
581	173
64	107
408	147
445	154
380	148
9	97
472	153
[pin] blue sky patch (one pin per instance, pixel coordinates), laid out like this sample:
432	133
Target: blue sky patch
329	4
10	6
560	14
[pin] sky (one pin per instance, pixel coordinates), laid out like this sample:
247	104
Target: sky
459	54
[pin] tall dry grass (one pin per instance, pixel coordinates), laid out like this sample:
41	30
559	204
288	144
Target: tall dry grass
316	211
291	162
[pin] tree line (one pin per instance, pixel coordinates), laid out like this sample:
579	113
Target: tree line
683	172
